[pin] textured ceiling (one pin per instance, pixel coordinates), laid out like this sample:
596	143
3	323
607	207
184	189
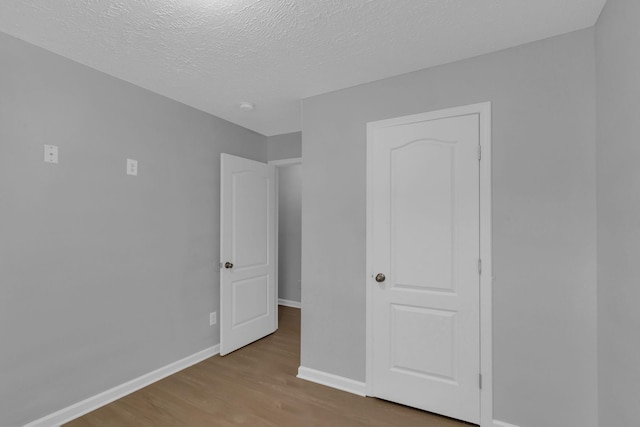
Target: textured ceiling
215	54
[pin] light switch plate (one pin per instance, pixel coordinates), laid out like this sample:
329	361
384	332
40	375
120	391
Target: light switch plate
132	167
50	154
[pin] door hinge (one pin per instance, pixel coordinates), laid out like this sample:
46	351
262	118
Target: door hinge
480	380
479	152
479	266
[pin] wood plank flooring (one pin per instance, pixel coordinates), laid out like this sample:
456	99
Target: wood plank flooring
254	386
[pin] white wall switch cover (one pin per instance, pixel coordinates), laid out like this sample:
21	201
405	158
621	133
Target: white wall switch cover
50	154
132	167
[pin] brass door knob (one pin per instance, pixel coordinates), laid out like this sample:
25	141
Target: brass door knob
380	278
228	264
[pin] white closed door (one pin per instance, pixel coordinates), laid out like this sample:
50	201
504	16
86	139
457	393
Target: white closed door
423	253
248	305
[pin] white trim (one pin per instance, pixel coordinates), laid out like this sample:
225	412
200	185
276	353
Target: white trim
286	162
486	278
289	303
276	236
331	380
78	409
486	282
497	423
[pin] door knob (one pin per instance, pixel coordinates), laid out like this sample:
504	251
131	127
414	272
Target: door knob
380	278
228	264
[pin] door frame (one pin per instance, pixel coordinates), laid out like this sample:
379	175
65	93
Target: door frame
280	164
486	276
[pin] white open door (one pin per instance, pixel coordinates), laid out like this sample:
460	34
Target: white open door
423	253
248	297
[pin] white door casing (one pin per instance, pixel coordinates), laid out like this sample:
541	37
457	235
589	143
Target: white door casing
248	296
428	227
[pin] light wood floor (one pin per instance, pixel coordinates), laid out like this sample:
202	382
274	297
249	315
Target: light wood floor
254	386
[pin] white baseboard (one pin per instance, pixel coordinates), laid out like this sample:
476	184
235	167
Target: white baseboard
334	381
289	303
78	409
497	423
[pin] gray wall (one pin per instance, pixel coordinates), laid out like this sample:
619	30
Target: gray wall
289	232
103	276
544	219
618	77
284	146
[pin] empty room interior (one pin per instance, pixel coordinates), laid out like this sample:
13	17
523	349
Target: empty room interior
309	213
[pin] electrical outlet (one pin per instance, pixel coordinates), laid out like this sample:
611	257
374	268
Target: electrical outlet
132	167
213	318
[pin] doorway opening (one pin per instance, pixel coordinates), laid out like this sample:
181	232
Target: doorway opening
258	202
289	231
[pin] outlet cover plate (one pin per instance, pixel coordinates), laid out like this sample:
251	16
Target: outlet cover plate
132	167
50	154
